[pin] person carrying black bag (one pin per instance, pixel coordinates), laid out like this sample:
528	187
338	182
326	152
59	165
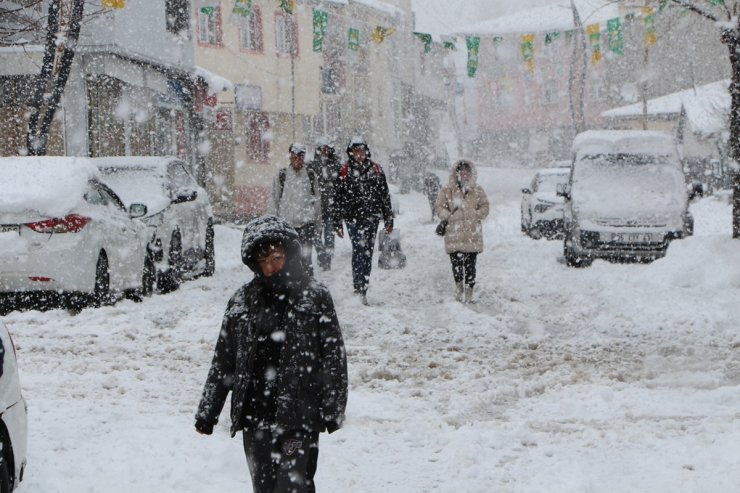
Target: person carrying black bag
462	205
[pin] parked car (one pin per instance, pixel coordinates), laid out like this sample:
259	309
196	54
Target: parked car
64	235
542	208
178	211
625	198
13	417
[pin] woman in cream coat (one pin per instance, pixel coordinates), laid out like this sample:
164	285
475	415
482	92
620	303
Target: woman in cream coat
463	204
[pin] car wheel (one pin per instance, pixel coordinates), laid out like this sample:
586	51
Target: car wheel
170	279
101	293
535	233
4	473
210	254
571	258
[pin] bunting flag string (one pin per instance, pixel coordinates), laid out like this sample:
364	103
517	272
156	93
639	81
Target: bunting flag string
648	21
353	39
242	8
426	39
449	45
379	34
614	35
207	10
288	6
320	21
594	39
526	46
551	37
473	44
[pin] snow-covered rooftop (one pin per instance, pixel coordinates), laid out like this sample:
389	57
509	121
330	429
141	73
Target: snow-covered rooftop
382	6
216	83
707	107
558	16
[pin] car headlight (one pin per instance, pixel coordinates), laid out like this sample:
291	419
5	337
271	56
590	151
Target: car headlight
542	207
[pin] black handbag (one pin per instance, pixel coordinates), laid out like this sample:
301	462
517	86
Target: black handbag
441	228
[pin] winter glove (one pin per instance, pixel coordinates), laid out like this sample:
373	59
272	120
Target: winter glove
203	427
331	426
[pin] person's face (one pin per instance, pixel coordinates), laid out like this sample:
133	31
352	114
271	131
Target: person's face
273	262
464	173
296	161
358	153
324	151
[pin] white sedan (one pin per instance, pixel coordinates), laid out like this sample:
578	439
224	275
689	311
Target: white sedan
13	415
64	232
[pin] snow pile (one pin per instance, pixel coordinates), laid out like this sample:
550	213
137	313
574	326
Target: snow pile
215	82
47	185
389	9
647	142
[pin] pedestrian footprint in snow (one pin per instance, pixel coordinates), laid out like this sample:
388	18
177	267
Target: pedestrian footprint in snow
281	355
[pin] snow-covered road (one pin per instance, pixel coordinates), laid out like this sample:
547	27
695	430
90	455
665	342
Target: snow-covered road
615	378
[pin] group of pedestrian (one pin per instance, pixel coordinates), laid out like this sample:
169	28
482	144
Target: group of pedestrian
280	351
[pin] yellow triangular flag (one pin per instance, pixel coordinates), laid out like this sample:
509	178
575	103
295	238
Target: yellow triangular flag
380	33
113	4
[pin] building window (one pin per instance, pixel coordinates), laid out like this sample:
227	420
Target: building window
209	26
597	90
258	136
178	15
250	31
286	35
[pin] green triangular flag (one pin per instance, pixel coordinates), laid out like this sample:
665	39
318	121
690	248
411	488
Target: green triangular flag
320	21
426	39
473	43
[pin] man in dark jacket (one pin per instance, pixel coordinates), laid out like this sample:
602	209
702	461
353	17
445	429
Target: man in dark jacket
280	353
326	166
362	199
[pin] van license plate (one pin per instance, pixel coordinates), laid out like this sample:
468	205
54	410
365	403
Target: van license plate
639	238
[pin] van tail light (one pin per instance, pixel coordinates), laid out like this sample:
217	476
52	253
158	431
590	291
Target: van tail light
71	223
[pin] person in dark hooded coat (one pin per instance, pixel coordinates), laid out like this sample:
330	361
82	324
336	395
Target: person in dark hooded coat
281	354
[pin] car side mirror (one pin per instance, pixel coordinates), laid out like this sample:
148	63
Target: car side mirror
185	195
562	191
137	210
526	191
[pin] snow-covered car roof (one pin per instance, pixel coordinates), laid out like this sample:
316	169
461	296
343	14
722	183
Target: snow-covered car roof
647	142
49	185
151	163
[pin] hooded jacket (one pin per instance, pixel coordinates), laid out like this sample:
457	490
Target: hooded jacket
310	381
362	194
463	205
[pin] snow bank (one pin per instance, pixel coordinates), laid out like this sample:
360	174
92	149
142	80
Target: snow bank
648	142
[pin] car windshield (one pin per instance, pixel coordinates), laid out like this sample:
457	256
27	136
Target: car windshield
549	183
616	181
137	185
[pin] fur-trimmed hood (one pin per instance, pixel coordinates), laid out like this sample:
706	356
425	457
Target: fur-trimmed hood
270	229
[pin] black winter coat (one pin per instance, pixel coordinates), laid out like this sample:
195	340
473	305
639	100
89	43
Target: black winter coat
362	193
311	379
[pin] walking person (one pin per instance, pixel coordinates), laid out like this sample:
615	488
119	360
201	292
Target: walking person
362	199
326	166
295	197
280	353
464	205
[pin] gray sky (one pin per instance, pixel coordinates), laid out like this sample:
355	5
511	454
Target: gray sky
443	16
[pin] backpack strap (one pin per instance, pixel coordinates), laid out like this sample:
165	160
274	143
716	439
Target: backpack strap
281	179
376	167
343	172
311	179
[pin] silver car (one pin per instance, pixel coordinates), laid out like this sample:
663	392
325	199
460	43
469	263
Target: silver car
542	208
13	416
179	213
